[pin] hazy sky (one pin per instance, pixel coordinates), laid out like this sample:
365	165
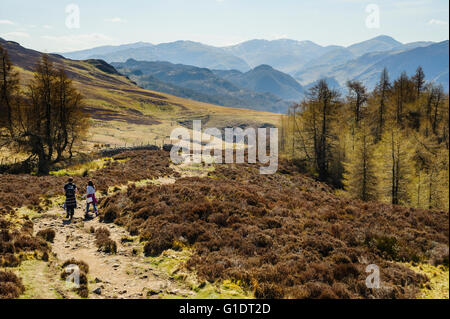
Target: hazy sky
41	25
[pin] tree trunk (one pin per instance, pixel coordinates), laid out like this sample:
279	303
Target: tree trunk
43	164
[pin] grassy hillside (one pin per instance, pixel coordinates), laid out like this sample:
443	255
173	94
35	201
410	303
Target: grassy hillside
219	231
124	113
199	84
264	78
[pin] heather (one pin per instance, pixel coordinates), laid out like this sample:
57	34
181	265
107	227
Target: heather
283	235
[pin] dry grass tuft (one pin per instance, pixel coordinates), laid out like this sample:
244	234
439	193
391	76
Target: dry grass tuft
10	285
47	234
104	242
82	290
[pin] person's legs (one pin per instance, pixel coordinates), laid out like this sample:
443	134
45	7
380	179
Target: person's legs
71	212
95	208
87	208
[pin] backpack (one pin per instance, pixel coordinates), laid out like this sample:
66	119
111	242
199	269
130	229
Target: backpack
70	190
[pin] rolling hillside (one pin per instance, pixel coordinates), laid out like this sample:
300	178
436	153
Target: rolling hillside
264	78
125	113
200	84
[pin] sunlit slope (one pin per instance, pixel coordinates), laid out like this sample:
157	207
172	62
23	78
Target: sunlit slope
122	112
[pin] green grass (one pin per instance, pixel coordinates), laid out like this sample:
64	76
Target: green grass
86	168
124	187
24	211
36	276
161	111
438	286
172	262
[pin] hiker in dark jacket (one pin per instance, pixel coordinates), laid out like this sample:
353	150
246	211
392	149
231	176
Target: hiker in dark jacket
70	190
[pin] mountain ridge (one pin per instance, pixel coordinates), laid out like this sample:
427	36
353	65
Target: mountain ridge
184	52
304	60
367	67
121	111
264	78
201	84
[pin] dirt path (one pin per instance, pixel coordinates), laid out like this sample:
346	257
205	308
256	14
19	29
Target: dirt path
127	274
123	275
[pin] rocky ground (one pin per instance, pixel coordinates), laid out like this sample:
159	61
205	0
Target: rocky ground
112	276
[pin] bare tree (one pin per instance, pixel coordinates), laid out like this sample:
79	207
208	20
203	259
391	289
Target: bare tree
50	118
9	89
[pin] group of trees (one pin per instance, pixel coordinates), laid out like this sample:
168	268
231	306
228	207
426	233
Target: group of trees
46	119
391	144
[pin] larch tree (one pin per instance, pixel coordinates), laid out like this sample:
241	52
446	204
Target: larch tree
419	81
318	116
401	91
437	108
50	119
445	123
394	151
382	92
357	97
390	144
73	122
360	178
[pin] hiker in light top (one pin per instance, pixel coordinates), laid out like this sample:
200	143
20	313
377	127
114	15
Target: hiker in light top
70	190
90	198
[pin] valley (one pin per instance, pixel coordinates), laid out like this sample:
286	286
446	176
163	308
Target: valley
262	89
311	230
124	113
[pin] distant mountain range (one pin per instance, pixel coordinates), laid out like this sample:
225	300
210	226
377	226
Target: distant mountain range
261	89
367	67
231	76
185	52
284	55
305	61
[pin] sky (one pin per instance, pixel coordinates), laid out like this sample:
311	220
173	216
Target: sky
62	26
